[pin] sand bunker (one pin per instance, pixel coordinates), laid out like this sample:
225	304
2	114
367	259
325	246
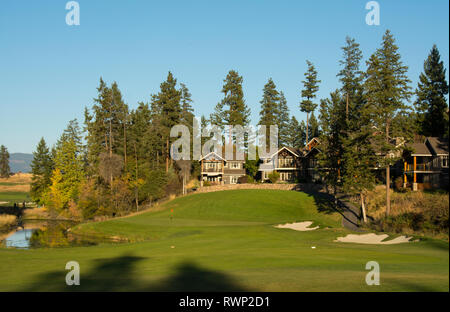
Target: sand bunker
372	238
3	202
299	226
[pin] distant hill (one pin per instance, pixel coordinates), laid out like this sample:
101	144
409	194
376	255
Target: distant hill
20	162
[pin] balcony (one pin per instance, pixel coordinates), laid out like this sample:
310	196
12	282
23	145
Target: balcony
286	165
422	167
212	170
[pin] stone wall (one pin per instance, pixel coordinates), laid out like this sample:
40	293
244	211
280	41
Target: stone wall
307	187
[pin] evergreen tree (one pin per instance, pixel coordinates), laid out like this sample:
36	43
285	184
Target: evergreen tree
310	88
357	163
431	103
351	78
294	137
187	112
332	120
5	171
354	131
313	131
302	133
269	108
204	123
66	178
232	110
106	127
166	108
387	86
283	120
41	169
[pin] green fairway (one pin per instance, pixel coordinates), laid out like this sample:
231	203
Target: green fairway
12	197
226	241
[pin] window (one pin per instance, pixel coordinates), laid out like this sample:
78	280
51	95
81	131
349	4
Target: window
213	165
286	162
286	176
234	179
444	162
235	165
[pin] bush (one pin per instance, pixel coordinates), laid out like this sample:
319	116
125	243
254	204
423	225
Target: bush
398	184
206	183
242	180
274	177
301	180
411	212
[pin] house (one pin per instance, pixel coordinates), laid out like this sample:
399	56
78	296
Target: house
286	161
425	164
310	162
293	164
218	170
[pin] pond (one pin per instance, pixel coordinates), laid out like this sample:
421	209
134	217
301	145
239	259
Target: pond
47	234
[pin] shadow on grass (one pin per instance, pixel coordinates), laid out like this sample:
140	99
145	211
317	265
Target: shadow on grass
120	274
328	203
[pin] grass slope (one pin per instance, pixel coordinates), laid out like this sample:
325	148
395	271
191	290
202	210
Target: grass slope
12	197
226	241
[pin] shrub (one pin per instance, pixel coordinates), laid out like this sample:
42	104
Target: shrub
411	212
206	183
274	177
398	184
242	180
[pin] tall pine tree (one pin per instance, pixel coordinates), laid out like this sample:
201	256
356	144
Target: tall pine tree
283	120
269	108
310	88
431	103
386	87
166	105
294	134
232	110
41	169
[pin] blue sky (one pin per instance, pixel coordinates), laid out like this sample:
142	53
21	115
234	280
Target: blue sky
49	71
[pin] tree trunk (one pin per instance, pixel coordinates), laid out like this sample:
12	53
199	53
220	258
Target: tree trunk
136	191
110	138
388	176
167	155
307	127
125	144
363	208
110	154
346	108
388	194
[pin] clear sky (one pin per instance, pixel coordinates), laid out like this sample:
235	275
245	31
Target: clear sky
49	71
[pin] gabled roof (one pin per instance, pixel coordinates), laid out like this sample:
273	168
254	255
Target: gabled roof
431	146
438	146
292	150
312	140
212	153
419	149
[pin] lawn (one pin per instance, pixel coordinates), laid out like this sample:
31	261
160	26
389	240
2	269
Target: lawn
12	197
226	241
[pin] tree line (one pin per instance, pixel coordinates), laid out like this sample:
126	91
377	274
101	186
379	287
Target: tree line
119	158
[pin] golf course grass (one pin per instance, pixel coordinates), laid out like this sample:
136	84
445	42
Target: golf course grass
226	241
12	197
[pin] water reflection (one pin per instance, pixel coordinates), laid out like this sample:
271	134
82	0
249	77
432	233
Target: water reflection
19	239
47	234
